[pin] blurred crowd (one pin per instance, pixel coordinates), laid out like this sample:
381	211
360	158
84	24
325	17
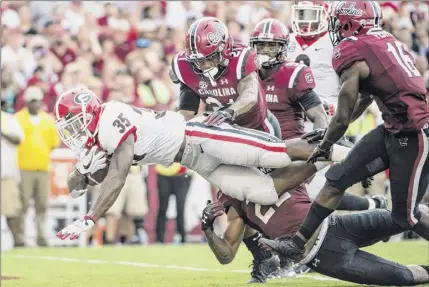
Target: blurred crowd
122	51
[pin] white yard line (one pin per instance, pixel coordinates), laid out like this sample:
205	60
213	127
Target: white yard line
148	265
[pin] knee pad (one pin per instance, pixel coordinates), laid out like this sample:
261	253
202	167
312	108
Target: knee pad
336	177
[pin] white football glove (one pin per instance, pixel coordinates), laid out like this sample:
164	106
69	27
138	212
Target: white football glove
91	162
76	228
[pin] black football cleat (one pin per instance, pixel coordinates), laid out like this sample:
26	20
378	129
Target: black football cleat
285	270
263	266
285	247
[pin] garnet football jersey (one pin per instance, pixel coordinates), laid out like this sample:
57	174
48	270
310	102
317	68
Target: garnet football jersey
280	219
158	136
242	63
320	53
397	86
283	89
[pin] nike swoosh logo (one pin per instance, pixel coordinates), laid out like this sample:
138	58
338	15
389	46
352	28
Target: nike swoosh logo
318	49
86	166
139	157
201	149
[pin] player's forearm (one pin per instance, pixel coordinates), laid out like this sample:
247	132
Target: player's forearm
77	183
220	247
109	192
336	129
188	115
247	89
360	107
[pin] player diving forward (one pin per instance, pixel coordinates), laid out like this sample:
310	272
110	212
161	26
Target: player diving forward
224	155
371	61
333	250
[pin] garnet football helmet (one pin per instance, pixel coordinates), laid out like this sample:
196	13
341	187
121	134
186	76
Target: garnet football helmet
270	39
353	18
310	18
77	113
208	47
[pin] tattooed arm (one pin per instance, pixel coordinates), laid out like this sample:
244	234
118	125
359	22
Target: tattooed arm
119	167
247	89
225	247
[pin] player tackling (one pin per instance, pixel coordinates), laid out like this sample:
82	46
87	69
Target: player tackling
225	155
371	61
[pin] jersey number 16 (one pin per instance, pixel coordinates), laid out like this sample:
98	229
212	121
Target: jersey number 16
403	58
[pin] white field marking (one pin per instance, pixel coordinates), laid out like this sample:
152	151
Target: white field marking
148	265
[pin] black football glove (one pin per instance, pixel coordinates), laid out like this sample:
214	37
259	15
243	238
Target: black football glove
367	182
314	136
318	152
219	117
210	212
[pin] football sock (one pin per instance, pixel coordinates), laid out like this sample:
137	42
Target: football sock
354	202
253	245
315	217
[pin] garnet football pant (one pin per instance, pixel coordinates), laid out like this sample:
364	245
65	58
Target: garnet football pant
340	257
405	154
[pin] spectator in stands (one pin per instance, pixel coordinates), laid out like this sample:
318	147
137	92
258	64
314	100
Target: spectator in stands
33	159
171	181
11	136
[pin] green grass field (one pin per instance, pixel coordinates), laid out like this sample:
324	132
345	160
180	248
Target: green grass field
157	265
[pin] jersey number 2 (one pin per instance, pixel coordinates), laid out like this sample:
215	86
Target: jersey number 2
398	50
122	123
270	212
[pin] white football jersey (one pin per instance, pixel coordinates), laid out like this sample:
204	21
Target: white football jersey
158	135
320	54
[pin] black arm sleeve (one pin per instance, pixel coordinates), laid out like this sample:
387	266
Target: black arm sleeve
188	99
309	100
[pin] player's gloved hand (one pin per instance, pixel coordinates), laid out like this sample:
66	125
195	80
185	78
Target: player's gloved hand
90	162
314	136
367	182
318	152
210	212
74	229
219	117
329	109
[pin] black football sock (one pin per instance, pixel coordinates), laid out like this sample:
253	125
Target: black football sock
353	202
253	245
315	217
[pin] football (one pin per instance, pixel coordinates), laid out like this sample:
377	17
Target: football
97	177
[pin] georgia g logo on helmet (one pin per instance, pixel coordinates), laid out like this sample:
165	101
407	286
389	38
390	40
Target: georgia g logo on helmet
82	98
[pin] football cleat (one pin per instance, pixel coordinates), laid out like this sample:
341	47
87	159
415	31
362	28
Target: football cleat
285	270
263	266
284	246
302	269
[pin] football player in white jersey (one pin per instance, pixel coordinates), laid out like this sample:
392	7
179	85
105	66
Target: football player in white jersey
225	155
310	37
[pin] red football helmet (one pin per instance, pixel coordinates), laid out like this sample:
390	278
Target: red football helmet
353	18
310	18
270	39
208	47
77	112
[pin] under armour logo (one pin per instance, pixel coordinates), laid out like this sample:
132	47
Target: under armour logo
270	88
223	81
315	262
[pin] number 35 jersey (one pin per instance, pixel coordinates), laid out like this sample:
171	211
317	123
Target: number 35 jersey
241	63
157	136
398	88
